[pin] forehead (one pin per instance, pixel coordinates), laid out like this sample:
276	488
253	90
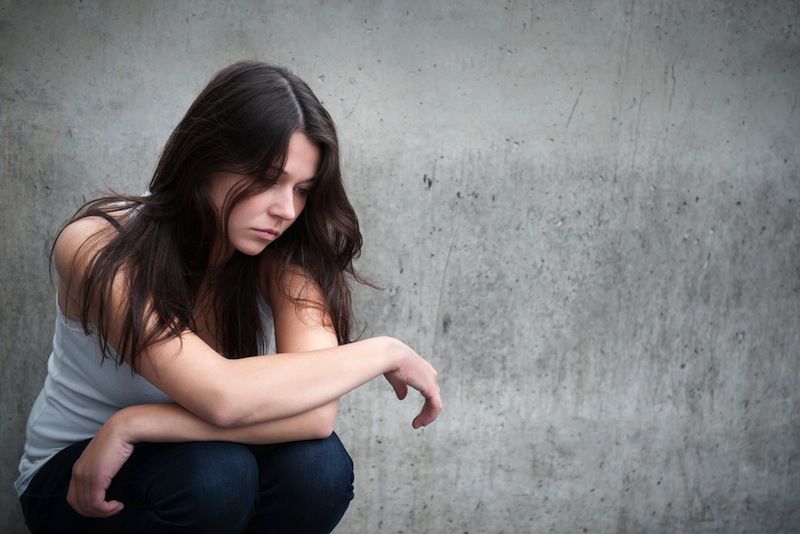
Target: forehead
302	158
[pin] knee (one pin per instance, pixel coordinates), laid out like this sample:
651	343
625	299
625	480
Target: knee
212	487
320	471
222	474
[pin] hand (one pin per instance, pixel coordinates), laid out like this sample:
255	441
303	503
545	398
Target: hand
414	371
92	473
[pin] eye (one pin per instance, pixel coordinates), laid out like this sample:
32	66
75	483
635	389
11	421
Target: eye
302	191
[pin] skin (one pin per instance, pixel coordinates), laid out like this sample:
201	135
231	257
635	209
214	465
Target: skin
275	208
289	396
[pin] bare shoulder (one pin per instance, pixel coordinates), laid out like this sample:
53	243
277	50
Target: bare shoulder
280	282
78	242
302	321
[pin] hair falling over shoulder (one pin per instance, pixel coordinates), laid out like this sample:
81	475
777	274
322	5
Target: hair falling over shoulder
241	122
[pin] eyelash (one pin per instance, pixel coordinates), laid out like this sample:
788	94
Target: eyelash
302	191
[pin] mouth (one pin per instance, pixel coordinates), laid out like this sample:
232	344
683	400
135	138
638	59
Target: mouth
267	233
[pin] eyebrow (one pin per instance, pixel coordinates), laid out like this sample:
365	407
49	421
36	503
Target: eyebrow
277	169
312	180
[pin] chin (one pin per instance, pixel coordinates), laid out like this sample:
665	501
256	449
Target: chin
251	249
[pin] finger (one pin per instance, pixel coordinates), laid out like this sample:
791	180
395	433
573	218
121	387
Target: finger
100	507
430	411
417	422
103	509
399	386
112	508
72	499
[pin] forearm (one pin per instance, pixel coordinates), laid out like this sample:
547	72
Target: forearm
234	393
283	385
171	422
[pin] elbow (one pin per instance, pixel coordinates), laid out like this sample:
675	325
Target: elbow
220	418
229	414
325	420
321	432
223	412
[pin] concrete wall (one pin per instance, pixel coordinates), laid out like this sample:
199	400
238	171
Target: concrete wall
585	213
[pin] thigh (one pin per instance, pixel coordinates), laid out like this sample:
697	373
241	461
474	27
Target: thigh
165	487
44	501
304	486
192	487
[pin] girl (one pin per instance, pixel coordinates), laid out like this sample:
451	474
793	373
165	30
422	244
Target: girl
246	228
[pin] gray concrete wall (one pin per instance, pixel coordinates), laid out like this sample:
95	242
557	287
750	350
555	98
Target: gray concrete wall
585	213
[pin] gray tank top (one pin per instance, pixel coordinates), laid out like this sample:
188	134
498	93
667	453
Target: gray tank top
81	391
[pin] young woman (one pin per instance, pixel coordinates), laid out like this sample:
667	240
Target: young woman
156	414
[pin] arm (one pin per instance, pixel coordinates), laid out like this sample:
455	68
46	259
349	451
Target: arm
300	327
297	331
171	422
113	444
240	392
235	393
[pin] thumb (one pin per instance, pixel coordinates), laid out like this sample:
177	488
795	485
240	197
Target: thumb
109	508
400	387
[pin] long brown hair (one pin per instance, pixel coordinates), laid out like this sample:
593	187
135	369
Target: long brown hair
241	122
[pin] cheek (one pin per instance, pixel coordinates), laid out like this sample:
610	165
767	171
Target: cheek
242	212
299	206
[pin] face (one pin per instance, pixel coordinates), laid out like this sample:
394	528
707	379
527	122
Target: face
258	220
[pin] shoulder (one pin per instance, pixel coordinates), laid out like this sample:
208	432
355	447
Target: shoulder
302	321
78	241
278	280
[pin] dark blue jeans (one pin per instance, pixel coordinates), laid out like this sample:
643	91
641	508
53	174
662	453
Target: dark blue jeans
214	487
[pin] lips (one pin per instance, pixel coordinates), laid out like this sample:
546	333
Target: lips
267	233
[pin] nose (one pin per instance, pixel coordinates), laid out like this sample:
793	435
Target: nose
282	205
